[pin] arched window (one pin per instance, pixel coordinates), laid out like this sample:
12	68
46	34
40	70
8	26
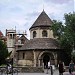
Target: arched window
34	34
10	36
44	33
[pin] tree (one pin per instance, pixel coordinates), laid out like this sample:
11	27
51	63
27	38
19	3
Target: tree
70	27
57	28
3	52
66	36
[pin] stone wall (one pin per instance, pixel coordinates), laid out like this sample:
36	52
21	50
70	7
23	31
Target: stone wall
32	69
39	33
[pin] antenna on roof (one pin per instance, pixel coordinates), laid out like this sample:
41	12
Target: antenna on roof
43	5
15	27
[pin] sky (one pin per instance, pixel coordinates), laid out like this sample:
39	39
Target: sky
21	14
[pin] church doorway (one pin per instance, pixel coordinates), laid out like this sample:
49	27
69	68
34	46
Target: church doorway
46	59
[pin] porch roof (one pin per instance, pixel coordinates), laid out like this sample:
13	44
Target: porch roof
40	43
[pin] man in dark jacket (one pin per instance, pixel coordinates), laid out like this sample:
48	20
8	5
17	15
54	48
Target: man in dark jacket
60	68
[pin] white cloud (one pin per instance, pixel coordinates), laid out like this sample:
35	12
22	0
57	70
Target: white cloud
57	11
58	1
22	13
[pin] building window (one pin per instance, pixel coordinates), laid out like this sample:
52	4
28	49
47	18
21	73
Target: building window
23	55
34	34
44	33
10	36
13	36
22	41
19	41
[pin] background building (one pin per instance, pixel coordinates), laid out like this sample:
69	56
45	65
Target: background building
14	40
2	37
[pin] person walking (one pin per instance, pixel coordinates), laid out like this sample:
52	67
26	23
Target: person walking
48	67
71	67
61	68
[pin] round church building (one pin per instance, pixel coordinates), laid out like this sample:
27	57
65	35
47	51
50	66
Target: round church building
42	46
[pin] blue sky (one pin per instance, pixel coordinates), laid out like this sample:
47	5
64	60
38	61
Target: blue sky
23	13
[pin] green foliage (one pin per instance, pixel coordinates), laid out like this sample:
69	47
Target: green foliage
66	35
57	28
3	52
70	21
73	56
70	25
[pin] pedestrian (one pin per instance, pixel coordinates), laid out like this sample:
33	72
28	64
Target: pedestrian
61	68
64	67
51	70
71	67
48	67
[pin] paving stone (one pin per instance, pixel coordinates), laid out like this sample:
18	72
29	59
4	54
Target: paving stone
55	72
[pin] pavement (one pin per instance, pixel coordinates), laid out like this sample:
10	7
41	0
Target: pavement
46	72
67	73
55	73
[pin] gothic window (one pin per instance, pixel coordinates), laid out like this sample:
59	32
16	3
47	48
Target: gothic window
22	41
44	33
13	36
19	41
34	34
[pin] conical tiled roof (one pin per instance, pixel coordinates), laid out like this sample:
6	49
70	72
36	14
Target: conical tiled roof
42	21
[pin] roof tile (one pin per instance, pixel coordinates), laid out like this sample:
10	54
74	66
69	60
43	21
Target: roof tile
42	20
